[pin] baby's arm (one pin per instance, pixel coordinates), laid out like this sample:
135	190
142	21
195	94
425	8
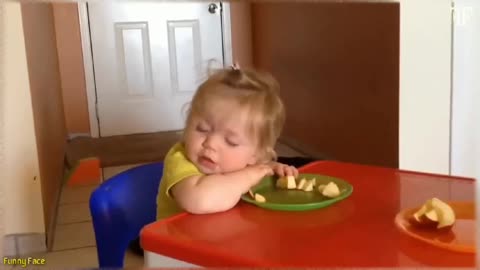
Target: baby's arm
218	192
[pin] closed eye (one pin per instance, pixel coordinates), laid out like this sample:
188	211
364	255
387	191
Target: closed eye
231	143
201	128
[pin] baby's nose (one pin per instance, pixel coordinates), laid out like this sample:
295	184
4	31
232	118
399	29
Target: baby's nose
209	142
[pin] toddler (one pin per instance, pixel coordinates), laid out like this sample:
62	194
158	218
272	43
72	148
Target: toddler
233	123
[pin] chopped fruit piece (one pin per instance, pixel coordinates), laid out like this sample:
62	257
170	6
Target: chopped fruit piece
260	198
434	213
331	190
251	193
282	182
302	183
291	184
309	186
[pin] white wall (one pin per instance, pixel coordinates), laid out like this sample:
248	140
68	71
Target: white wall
23	209
466	94
466	89
425	49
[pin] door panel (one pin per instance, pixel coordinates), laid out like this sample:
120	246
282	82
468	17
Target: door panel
149	58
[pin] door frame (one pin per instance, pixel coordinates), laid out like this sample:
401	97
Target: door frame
88	58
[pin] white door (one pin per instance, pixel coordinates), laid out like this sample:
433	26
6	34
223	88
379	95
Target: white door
149	58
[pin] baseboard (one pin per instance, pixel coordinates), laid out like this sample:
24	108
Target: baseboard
303	148
75	135
23	244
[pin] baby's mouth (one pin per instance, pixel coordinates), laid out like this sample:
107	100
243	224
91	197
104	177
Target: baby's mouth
207	162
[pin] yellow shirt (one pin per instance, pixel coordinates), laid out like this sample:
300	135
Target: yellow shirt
176	167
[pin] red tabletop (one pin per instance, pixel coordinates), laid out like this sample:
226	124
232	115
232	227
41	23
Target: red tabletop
356	232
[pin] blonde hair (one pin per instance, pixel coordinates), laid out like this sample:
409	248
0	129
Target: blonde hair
258	92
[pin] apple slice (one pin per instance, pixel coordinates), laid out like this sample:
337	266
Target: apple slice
417	215
446	215
282	182
291	184
321	188
308	186
259	198
286	182
302	184
331	190
434	213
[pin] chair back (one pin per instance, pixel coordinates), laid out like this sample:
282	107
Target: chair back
120	207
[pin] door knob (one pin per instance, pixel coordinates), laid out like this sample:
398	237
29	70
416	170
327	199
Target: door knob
212	8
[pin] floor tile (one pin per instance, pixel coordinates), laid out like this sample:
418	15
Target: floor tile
76	194
108	172
73	258
75	235
73	213
132	260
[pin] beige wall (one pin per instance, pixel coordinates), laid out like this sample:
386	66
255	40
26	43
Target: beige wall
22	200
46	100
70	62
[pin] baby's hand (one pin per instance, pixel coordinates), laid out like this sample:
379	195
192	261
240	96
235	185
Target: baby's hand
257	172
283	169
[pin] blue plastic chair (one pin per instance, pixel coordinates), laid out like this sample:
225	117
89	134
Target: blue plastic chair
120	207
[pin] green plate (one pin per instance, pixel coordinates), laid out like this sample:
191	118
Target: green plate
297	200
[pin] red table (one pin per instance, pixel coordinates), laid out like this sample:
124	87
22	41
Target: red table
356	232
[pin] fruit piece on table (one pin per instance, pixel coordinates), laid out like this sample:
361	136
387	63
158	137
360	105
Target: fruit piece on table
435	213
302	183
331	190
260	198
309	186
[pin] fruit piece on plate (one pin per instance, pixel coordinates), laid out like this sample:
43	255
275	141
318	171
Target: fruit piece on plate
314	181
291	184
286	182
331	190
308	186
321	188
434	213
259	198
281	182
302	184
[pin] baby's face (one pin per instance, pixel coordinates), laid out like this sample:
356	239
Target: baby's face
219	141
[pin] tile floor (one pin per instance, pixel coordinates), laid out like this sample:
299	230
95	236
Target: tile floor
74	243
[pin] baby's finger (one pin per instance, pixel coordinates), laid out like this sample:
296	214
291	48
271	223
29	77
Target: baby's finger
288	171
295	171
279	171
268	170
